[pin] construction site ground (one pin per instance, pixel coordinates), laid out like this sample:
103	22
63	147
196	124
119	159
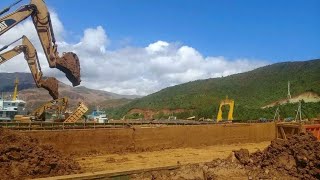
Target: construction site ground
110	163
78	143
143	147
214	151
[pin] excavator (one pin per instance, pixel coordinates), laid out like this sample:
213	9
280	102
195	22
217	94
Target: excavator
59	105
30	54
38	11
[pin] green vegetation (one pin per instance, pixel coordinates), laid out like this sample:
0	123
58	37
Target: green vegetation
250	90
134	116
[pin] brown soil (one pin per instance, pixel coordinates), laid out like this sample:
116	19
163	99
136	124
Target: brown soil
306	97
22	157
145	139
69	64
111	163
218	169
298	157
51	85
214	170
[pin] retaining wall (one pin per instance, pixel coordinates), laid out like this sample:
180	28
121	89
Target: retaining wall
138	139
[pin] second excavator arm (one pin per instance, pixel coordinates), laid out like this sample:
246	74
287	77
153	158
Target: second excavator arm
37	9
30	54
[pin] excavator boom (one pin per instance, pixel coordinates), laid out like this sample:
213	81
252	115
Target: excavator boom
30	54
69	62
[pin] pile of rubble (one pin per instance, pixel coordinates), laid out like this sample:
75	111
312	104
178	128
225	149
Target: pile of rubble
299	157
22	157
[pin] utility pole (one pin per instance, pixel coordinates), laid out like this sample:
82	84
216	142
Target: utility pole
298	115
289	95
277	115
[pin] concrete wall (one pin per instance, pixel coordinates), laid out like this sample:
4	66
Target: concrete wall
85	142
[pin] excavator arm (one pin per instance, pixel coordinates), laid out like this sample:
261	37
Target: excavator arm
30	54
69	62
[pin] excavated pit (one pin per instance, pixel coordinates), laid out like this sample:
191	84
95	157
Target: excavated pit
69	64
21	157
52	86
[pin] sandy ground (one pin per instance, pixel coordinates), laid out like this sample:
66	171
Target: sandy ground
133	161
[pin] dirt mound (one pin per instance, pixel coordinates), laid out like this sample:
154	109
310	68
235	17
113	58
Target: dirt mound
298	157
22	157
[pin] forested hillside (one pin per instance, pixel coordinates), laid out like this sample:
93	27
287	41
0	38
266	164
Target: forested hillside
250	90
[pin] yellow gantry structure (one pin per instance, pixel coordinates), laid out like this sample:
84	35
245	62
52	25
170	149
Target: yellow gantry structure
224	102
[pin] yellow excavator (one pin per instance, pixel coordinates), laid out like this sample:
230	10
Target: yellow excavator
38	11
224	102
30	54
58	105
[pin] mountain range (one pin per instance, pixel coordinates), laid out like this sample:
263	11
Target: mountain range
36	96
256	93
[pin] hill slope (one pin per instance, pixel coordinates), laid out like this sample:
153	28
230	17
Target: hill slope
253	89
36	96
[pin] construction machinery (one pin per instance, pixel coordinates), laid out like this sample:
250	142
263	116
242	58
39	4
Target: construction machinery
15	91
224	102
10	108
59	106
77	114
30	54
37	10
284	129
98	115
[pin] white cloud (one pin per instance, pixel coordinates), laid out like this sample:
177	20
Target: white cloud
94	40
130	70
158	46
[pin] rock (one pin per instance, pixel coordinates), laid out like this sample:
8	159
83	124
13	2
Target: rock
243	156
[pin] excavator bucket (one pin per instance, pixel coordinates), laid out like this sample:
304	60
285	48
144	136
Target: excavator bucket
69	64
51	84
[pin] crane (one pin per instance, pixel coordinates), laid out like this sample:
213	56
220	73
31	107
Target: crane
15	92
229	102
69	62
30	54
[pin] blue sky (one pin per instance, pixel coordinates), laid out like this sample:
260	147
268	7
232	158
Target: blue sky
176	41
274	30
